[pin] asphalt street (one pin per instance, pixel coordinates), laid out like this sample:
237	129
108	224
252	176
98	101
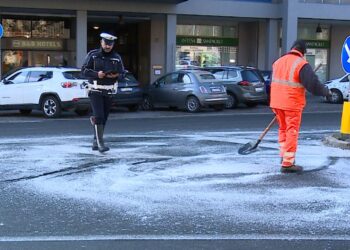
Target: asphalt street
172	180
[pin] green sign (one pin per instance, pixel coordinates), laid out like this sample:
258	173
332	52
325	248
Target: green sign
317	44
206	41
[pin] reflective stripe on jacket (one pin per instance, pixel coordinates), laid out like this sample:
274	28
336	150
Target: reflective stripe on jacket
287	92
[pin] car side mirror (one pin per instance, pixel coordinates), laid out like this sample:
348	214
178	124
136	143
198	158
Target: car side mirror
156	84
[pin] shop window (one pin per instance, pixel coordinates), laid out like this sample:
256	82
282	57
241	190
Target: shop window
35	28
16	28
49	29
206	30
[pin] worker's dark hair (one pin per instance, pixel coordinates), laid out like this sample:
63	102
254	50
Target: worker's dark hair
299	45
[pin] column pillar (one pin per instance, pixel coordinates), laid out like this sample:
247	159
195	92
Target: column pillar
170	42
289	24
273	44
81	37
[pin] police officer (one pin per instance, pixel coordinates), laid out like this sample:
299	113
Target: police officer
102	67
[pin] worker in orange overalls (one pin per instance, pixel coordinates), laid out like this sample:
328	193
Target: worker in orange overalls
291	76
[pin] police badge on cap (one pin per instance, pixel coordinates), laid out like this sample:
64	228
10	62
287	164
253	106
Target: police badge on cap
108	38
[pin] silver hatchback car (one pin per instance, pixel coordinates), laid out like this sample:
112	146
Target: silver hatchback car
188	89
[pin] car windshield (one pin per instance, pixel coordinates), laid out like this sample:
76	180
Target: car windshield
250	76
73	75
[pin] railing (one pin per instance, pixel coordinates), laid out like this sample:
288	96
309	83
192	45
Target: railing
326	1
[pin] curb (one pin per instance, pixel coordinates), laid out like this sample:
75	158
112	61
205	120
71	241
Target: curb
336	141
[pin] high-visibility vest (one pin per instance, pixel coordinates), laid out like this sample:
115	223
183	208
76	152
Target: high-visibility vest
287	92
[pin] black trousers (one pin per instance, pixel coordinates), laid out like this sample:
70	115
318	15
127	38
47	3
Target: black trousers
101	103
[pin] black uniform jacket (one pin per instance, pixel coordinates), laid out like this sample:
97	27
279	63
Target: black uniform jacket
98	60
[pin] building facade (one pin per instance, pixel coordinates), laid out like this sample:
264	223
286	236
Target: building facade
158	36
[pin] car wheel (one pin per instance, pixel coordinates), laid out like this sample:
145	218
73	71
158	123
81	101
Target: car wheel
25	111
231	102
51	107
192	104
133	108
82	112
147	103
336	97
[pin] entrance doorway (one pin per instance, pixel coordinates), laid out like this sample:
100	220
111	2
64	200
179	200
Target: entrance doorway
133	43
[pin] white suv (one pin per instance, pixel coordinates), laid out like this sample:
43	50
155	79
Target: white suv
50	89
340	89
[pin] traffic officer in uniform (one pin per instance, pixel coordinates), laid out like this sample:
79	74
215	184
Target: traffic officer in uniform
292	75
102	67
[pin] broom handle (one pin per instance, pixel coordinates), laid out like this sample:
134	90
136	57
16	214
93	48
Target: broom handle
267	128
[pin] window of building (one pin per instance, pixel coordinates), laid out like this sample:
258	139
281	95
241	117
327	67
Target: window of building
206	45
36	28
317	46
16	28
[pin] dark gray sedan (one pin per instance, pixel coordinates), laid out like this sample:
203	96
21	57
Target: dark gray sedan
244	84
188	89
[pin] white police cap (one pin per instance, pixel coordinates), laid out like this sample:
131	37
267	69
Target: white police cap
108	37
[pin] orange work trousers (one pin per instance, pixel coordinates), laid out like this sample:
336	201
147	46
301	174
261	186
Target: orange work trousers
288	133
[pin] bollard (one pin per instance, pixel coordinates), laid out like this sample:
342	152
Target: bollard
345	121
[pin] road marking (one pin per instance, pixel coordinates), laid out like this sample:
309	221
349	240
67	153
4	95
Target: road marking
172	237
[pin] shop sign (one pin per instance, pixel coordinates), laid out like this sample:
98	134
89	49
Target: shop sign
37	44
206	41
317	44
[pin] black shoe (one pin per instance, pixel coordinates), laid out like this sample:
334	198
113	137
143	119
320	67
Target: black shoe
292	169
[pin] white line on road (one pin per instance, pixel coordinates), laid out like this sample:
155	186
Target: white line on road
171	237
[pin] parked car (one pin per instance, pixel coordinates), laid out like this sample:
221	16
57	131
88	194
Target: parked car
340	89
50	89
243	84
129	93
188	89
267	74
187	64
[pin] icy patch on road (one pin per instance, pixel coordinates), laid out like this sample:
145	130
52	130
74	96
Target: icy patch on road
189	174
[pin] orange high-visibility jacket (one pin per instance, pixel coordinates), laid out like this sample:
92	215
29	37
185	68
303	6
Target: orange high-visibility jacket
287	92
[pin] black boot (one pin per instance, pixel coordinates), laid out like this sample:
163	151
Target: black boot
94	142
291	169
99	136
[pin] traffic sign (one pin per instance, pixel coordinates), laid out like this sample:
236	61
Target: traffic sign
345	55
1	31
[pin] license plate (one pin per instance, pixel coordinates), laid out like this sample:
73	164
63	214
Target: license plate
259	89
125	89
215	90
